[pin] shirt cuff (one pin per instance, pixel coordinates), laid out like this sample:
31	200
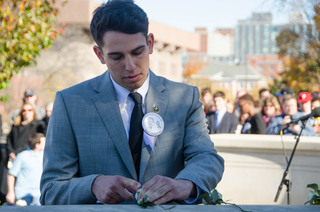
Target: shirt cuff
192	200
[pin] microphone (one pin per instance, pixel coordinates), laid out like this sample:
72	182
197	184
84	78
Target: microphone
314	113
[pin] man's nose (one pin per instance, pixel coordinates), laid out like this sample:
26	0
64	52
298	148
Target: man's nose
130	65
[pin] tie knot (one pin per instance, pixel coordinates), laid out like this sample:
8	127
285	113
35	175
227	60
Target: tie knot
136	97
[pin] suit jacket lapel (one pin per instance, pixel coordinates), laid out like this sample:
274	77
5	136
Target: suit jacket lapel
107	106
155	96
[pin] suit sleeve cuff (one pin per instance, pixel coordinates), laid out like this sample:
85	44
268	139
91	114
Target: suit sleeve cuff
192	200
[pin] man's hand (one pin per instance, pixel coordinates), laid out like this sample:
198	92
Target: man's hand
162	189
12	155
295	128
10	198
286	120
114	189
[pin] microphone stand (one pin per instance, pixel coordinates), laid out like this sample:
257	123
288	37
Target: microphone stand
285	181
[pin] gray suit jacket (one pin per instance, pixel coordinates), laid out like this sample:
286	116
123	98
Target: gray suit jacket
86	138
228	123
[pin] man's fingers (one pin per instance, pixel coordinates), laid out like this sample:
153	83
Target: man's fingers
114	189
158	191
164	199
156	188
131	185
126	188
163	189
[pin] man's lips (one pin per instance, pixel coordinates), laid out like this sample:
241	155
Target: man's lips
133	78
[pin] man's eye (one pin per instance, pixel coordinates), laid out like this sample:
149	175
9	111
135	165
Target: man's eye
138	52
116	57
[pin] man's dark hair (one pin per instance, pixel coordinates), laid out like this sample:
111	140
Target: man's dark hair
288	97
219	94
247	98
118	15
35	139
262	90
205	90
315	99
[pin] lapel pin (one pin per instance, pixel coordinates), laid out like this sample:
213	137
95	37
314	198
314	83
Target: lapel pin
152	124
155	109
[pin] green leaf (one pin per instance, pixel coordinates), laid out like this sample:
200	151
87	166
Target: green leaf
313	186
206	199
216	196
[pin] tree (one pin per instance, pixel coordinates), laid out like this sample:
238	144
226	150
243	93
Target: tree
27	27
302	68
193	66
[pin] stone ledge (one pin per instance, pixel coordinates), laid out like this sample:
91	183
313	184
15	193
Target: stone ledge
178	208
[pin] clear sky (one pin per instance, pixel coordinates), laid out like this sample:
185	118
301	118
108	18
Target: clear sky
188	14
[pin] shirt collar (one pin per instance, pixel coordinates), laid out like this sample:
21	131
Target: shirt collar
222	111
122	93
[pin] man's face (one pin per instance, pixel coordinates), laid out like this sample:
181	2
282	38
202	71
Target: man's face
49	109
31	99
306	107
315	104
244	106
207	98
264	95
290	107
219	103
127	57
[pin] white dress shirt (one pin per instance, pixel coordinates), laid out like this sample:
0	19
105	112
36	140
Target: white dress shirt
126	104
219	116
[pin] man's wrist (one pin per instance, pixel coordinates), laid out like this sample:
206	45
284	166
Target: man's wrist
93	184
191	187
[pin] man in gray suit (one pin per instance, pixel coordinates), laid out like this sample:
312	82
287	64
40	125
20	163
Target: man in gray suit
221	121
87	156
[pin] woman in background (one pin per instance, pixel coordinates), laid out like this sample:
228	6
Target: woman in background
270	108
24	125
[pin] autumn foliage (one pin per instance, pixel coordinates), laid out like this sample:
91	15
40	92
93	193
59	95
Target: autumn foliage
302	67
193	66
27	27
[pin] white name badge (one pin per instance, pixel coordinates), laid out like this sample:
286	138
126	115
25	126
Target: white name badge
152	124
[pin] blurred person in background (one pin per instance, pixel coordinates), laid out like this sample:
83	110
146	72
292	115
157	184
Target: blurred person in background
314	104
270	108
230	106
254	124
24	125
207	99
304	101
284	92
283	122
237	111
30	97
23	179
221	121
43	124
263	93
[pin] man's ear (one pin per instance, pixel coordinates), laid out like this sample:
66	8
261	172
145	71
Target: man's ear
150	40
99	54
36	146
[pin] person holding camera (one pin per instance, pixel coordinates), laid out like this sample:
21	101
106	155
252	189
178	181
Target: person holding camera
283	122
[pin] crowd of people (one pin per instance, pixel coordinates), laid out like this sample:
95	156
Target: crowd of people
271	114
91	154
21	158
